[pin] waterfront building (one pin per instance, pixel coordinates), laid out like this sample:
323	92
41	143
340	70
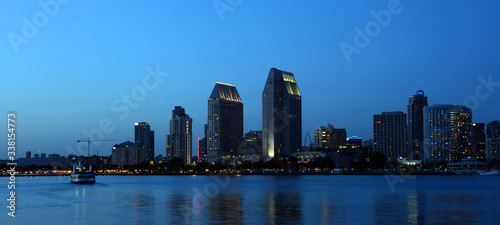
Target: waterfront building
145	138
225	123
478	141
180	139
281	115
492	141
447	133
253	143
416	104
202	145
126	153
389	135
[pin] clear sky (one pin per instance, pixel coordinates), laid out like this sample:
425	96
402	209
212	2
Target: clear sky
65	67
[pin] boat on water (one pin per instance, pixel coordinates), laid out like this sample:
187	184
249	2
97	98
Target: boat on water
491	172
81	175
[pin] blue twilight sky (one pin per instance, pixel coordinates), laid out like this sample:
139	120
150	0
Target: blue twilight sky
75	61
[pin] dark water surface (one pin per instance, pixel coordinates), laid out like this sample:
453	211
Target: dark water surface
256	200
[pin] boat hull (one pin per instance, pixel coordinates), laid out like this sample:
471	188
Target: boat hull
82	178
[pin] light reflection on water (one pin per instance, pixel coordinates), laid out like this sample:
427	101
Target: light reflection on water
256	200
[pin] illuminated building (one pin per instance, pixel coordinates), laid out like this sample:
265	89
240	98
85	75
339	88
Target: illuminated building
180	139
493	141
281	115
389	135
202	145
416	104
447	133
126	153
225	123
253	143
145	137
478	141
330	138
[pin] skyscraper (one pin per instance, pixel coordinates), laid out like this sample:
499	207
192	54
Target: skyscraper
416	104
281	115
447	133
389	135
253	143
202	145
493	141
493	129
225	122
145	137
478	141
179	141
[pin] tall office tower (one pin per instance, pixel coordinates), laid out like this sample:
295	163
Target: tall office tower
493	141
478	141
202	145
225	123
179	141
281	115
253	143
416	104
493	129
145	137
389	135
447	133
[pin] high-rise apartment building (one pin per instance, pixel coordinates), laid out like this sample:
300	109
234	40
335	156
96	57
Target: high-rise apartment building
225	123
253	143
281	115
478	141
493	141
447	133
202	145
180	139
389	135
416	104
145	137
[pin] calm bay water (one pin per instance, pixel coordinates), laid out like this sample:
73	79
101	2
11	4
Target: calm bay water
256	200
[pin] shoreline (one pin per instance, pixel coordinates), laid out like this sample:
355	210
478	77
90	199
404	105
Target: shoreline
267	173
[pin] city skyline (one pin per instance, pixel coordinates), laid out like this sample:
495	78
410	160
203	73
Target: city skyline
88	56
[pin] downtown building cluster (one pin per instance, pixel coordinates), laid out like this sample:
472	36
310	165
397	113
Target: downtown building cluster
433	134
281	132
425	134
224	140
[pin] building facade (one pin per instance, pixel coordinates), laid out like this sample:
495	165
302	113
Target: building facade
281	115
225	123
145	137
478	141
323	137
416	104
202	145
447	133
493	141
126	153
389	135
253	143
180	139
330	138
